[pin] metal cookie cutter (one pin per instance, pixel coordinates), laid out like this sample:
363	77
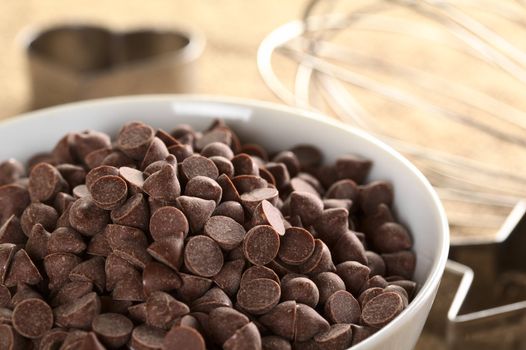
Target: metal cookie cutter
481	302
77	62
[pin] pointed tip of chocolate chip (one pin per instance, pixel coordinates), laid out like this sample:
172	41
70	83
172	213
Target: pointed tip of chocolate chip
163	184
196	210
22	270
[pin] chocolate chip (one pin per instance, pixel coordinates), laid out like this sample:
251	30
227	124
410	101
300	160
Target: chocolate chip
290	160
349	247
145	337
168	221
308	323
134	179
98	172
181	337
197	165
328	283
308	156
168	251
343	189
96	158
248	183
53	339
256	272
168	139
375	281
72	291
281	320
203	187
319	261
275	343
280	174
10	339
225	231
401	263
375	263
114	330
99	246
375	193
342	307
244	165
261	245
7	252
217	149
11	231
45	181
352	167
339	336
181	151
224	322
13	201
391	237
297	246
259	296
203	256
10	171
196	210
360	333
409	286
211	300
157	151
162	310
158	277
79	313
193	287
221	134
332	224
91	270
231	209
354	275
163	184
307	206
109	192
129	288
87	218
73	174
32	318
37	244
301	289
400	291
247	337
38	213
224	166
134	212
229	278
21	270
134	139
74	340
382	309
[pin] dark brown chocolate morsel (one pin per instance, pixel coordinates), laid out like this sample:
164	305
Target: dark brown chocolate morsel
307	206
261	244
134	139
134	212
267	214
137	312
400	291
299	185
169	251
98	172
13	201
79	313
193	287
349	247
117	269
374	220
203	256
134	179
382	309
7	252
258	271
88	141
231	209
409	286
109	192
196	210
280	173
65	240
259	296
244	165
62	202
297	246
290	160
114	330
368	294
71	291
217	149
272	342
204	187
375	281
162	310
360	333
118	159
182	337
96	158
229	278
308	156
332	224
165	137
158	277
308	323
166	222
22	270
375	263
6	316
53	339
343	189
247	337
74	340
328	283
37	244
339	336
32	318
252	199
73	174
354	275
145	337
38	213
197	165
401	263
301	289
81	191
87	218
319	261
215	134
181	151
45	182
342	307
156	152
212	299
225	231
91	270
10	339
224	166
10	171
11	231
99	245
346	204
224	322
352	167
163	184
248	183
24	292
230	192
375	193
5	296
91	342
391	237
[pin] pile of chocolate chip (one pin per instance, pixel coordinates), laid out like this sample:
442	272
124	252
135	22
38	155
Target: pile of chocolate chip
192	240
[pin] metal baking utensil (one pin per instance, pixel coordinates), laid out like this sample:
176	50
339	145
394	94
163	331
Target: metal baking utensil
481	302
77	62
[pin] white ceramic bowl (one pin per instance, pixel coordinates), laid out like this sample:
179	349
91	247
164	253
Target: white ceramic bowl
276	127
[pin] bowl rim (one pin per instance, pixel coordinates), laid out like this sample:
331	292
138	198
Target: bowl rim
430	285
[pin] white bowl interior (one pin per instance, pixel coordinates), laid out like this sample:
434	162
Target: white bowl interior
275	127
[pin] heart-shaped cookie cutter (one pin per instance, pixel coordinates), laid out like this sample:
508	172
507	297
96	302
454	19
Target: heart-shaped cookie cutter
78	61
